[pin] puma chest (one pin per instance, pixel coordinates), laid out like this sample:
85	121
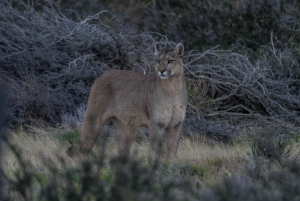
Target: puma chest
169	113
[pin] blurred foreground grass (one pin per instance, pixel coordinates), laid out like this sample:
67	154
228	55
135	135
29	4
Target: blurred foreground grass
37	168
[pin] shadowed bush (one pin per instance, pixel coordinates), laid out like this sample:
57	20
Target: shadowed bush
272	143
49	62
258	181
199	24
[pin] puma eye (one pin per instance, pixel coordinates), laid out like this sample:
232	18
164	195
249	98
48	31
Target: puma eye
170	61
157	60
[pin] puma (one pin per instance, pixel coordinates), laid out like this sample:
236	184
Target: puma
157	100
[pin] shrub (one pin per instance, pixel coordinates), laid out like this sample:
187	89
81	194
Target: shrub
123	179
270	143
257	181
49	62
202	24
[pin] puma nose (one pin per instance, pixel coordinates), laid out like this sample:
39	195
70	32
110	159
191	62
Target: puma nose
163	72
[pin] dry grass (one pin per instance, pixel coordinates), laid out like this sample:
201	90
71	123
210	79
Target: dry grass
39	145
204	164
36	149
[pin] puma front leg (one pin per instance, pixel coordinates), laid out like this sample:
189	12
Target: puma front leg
156	133
127	136
173	137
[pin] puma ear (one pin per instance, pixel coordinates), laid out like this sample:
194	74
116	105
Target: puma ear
157	49
179	49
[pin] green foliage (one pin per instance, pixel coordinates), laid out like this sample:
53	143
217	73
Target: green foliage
107	174
70	136
195	95
295	137
43	179
198	170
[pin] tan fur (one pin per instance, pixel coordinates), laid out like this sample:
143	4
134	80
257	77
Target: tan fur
132	100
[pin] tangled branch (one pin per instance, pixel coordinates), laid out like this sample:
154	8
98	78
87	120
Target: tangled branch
49	62
232	86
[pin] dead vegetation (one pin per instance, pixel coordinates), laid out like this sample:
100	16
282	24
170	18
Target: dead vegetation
49	62
230	85
36	145
36	168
